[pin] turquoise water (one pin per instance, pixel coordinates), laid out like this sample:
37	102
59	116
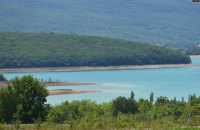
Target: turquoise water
170	82
196	60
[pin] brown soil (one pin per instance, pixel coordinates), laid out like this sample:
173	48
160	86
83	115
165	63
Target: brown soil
195	56
60	69
4	84
67	84
61	92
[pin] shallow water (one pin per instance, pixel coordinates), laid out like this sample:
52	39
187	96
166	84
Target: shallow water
170	82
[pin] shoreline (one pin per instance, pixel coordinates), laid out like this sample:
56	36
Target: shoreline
49	84
195	56
63	92
74	69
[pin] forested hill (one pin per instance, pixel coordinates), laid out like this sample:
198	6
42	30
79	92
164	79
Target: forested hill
174	23
56	50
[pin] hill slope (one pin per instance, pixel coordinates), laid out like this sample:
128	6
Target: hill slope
174	23
55	50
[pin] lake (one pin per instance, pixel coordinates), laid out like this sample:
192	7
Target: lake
170	82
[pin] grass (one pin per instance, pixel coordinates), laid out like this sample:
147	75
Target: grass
45	126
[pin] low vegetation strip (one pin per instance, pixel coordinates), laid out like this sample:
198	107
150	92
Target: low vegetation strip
25	50
23	105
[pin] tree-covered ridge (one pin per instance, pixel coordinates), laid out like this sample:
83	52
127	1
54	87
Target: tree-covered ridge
193	50
173	23
55	50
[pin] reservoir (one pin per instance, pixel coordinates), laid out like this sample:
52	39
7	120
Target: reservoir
169	82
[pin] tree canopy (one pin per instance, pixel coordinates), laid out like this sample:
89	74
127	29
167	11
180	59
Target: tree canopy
127	113
56	50
2	78
124	105
24	99
195	50
171	23
120	113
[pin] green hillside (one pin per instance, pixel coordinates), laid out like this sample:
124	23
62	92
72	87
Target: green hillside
55	50
193	50
174	23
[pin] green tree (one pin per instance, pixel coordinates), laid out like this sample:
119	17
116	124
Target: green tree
132	95
124	105
58	114
151	98
7	104
31	97
27	96
162	101
2	78
144	105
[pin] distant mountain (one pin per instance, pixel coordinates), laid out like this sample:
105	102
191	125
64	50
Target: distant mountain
56	50
175	23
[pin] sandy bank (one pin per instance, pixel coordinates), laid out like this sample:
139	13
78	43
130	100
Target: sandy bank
4	84
68	84
61	69
195	56
61	92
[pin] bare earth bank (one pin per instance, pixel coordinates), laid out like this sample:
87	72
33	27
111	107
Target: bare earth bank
60	92
4	84
61	69
63	91
69	91
195	56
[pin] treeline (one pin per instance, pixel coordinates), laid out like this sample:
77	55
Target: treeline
56	50
128	113
2	78
193	50
24	101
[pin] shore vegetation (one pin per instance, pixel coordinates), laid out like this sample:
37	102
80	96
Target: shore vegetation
23	105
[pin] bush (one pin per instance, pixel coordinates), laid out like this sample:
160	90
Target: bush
24	100
124	105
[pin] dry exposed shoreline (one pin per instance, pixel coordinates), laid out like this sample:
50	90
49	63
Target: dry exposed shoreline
62	91
195	56
69	91
129	67
68	84
4	84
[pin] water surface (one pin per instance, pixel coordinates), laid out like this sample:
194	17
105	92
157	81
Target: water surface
170	82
